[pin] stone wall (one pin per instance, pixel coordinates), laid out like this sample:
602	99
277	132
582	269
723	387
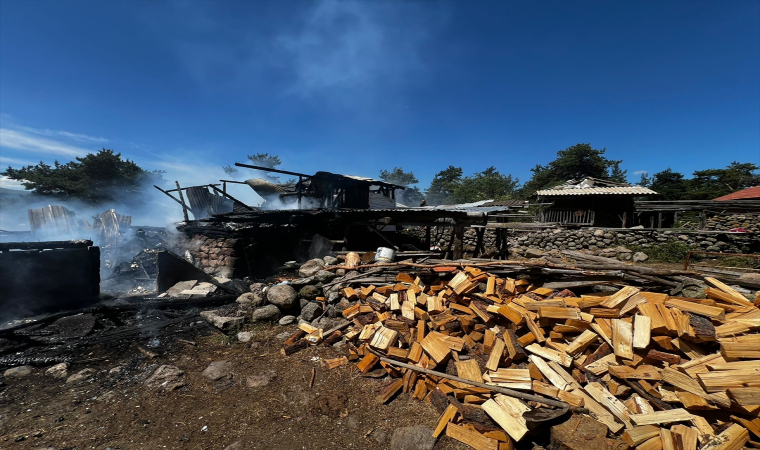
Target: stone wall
214	255
613	242
604	242
725	222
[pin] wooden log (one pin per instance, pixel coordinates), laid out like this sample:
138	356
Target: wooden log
638	435
295	347
622	338
471	437
642	328
508	413
732	438
670	416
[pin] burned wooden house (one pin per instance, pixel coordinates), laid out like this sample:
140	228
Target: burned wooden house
591	202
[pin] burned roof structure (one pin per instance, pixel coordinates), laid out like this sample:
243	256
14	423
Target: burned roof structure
591	202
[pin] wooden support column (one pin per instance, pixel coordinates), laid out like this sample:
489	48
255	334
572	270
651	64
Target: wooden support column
182	202
458	239
479	245
659	220
427	238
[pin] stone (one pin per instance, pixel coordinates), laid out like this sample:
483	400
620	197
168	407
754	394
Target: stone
261	380
18	372
324	276
59	370
330	260
287	320
282	295
599	233
245	336
414	438
324	323
177	289
533	253
625	256
583	433
311	311
333	297
265	313
235	446
640	257
301	282
750	278
224	323
251	299
309	292
82	375
167	376
311	268
217	370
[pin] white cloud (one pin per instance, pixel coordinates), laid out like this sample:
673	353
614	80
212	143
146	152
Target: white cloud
79	137
6	161
639	172
18	140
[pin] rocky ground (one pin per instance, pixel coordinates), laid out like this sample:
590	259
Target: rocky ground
217	394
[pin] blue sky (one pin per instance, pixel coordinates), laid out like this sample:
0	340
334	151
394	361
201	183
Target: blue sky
356	87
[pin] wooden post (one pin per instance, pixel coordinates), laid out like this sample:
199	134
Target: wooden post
625	219
427	238
659	220
182	202
479	246
651	221
300	180
458	239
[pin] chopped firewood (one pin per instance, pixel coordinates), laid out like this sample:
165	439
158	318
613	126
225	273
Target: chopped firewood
508	412
471	437
627	356
637	435
673	415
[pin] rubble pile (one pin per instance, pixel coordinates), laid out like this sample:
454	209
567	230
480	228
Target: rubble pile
501	357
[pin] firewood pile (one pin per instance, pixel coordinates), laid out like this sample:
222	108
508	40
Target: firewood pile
501	356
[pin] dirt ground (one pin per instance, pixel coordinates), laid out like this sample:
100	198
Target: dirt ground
117	411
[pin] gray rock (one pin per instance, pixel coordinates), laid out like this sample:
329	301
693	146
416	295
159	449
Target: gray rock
330	260
59	370
311	268
311	311
251	299
261	380
640	257
82	375
284	335
282	295
324	276
176	290
245	336
331	311
625	256
167	376
265	313
533	253
599	233
217	370
224	323
412	438
301	282
309	292
287	320
324	323
750	278
235	446
18	372
303	302
333	297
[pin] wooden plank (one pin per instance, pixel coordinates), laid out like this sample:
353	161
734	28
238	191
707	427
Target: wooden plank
550	354
622	338
469	370
609	401
553	377
471	438
602	415
508	413
620	296
669	416
443	421
732	438
642	328
745	396
496	355
581	342
712	312
735	295
638	435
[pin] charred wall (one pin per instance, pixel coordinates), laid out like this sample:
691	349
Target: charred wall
37	281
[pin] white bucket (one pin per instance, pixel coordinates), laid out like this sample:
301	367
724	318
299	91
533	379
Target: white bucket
385	254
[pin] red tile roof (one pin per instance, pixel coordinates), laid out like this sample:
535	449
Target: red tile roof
749	193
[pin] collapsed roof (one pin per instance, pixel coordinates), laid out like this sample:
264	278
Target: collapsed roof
595	186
